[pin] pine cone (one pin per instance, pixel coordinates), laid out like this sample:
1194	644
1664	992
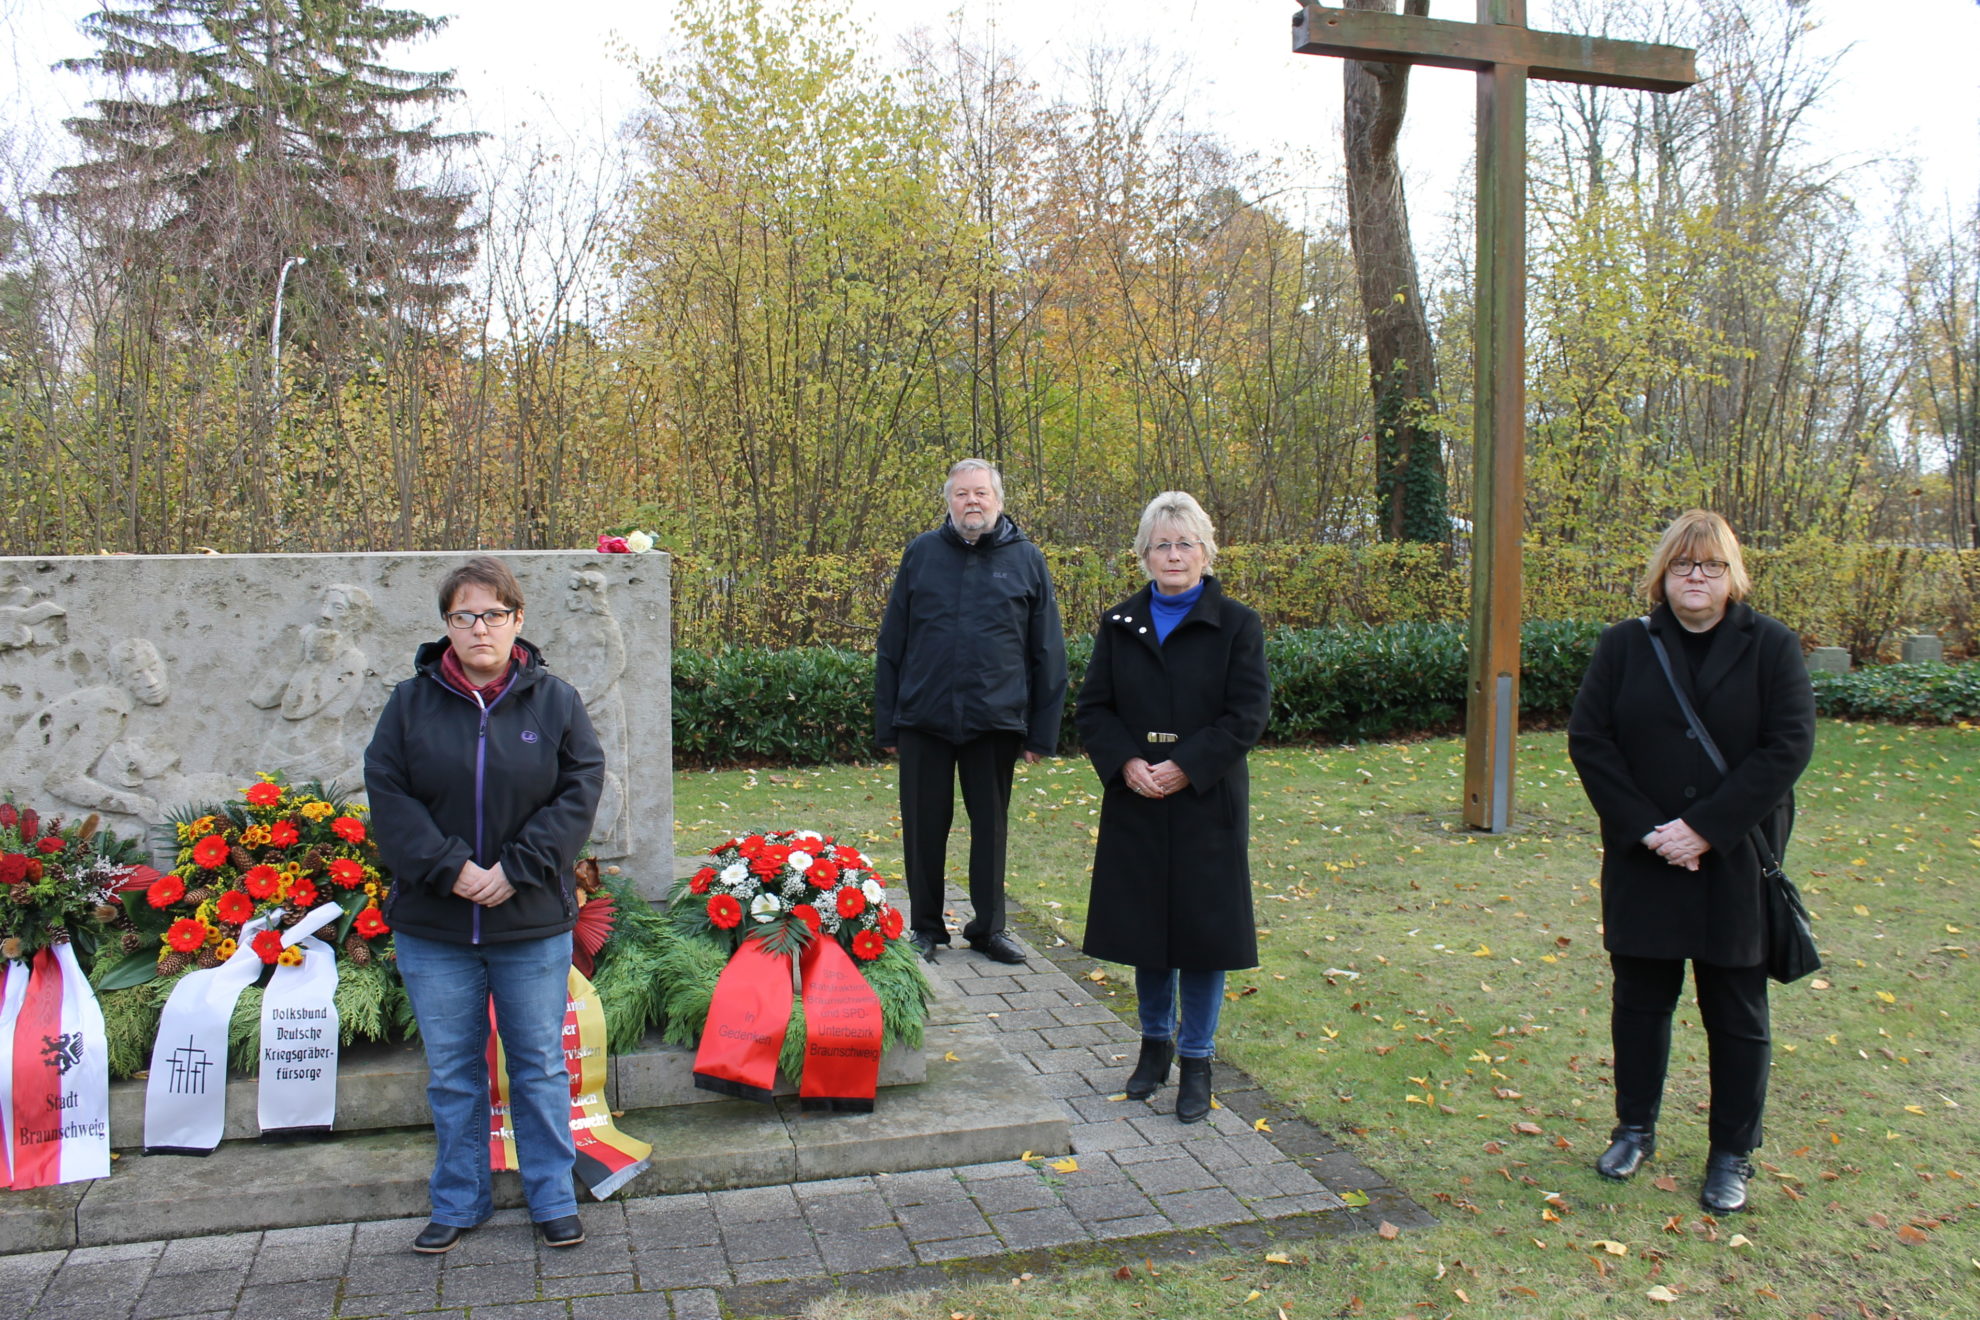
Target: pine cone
316	860
203	894
291	916
173	963
240	857
23	895
131	940
207	957
57	933
357	950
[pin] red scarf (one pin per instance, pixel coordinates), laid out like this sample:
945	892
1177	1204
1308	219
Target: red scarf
456	677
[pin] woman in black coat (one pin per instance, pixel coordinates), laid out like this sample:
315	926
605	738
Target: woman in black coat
1681	878
1174	697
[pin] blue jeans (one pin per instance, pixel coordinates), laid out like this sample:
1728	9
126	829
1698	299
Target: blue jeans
449	985
1193	1024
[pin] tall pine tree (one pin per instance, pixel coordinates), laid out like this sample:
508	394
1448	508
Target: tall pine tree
243	133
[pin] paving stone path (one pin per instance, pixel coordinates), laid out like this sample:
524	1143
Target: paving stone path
1145	1184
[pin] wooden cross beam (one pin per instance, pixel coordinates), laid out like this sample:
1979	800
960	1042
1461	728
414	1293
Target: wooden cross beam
1505	53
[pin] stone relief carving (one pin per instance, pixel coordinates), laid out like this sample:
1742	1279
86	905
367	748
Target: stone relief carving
75	749
328	701
21	625
591	655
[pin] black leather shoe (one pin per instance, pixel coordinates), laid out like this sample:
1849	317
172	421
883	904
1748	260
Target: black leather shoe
436	1238
925	944
1152	1069
565	1232
1628	1148
998	946
1724	1192
1193	1091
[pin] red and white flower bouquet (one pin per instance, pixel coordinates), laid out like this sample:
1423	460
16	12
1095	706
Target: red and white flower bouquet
784	887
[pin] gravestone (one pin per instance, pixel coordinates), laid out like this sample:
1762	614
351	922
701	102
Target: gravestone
1924	649
1829	660
132	685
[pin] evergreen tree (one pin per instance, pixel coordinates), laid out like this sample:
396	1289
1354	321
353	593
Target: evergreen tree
242	133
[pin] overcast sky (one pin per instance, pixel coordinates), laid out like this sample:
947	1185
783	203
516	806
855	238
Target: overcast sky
1909	82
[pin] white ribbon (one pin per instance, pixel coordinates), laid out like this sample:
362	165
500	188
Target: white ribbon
299	1033
12	992
185	1098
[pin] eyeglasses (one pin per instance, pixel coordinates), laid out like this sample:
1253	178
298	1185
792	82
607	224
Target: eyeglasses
1180	547
465	619
1711	568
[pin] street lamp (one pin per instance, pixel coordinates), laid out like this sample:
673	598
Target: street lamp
275	332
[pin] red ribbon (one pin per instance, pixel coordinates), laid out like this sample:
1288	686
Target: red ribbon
747	1018
842	1032
38	1077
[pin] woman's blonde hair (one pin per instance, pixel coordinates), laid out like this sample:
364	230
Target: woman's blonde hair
1179	509
1696	534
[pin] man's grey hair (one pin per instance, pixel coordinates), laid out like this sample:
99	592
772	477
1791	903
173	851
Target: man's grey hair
973	465
1177	509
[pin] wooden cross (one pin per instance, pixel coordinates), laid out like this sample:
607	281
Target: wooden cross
1505	53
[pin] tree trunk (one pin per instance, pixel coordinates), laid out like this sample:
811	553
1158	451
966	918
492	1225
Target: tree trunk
1402	373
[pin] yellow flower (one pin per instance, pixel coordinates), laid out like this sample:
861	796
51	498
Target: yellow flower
226	948
290	957
204	825
255	836
292	869
185	830
318	810
371	888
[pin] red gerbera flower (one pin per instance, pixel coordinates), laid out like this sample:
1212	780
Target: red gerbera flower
807	914
52	844
702	879
891	922
211	852
187	934
263	794
262	881
770	859
371	923
34	871
13	868
345	873
849	857
823	873
267	945
851	902
868	945
302	892
348	828
725	912
165	891
283	834
234	907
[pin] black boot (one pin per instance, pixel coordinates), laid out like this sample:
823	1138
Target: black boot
1193	1091
1628	1148
1726	1172
1151	1070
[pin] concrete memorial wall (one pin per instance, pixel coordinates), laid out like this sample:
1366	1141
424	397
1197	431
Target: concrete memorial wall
133	685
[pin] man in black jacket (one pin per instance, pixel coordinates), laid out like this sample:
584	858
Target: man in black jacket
971	673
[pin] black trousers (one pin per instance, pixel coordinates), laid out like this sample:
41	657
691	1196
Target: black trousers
930	767
1732	1003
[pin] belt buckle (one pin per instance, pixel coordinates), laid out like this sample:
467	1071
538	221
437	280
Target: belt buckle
1162	737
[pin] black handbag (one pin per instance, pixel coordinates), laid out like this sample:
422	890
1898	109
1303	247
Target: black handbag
1791	952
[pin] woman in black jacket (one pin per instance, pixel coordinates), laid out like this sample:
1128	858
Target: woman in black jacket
484	775
1681	878
1175	696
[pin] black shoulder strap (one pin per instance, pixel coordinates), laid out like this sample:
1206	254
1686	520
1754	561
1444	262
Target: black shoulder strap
1699	732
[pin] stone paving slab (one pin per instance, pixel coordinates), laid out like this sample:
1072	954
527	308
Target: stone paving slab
1136	1178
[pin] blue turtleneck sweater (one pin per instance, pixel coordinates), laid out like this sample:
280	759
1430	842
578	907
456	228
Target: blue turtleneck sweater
1169	610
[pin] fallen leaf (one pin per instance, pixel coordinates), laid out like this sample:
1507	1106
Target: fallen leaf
1124	1274
1819	983
1666	1183
1253	1295
1661	1294
1067	1165
1915	1109
1527	1129
1461	1296
1260	1125
1388	1231
1613	1248
1739	1240
1027	1157
1277	1258
1887	996
1354	1198
1482	951
1097	976
951	1057
1913	1236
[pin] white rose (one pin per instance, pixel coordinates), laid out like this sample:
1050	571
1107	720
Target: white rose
639	542
799	862
765	907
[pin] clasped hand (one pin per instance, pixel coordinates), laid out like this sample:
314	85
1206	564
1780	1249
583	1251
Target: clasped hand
485	885
1154	781
1678	844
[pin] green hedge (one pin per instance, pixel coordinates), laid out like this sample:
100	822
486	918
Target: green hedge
1917	693
806	706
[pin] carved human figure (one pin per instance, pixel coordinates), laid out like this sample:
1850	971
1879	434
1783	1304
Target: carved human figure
19	623
592	656
61	746
320	700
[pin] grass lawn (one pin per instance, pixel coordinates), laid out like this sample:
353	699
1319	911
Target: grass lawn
1438	999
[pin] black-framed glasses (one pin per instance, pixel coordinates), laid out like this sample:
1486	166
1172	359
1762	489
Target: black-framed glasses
1711	568
1184	547
465	619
